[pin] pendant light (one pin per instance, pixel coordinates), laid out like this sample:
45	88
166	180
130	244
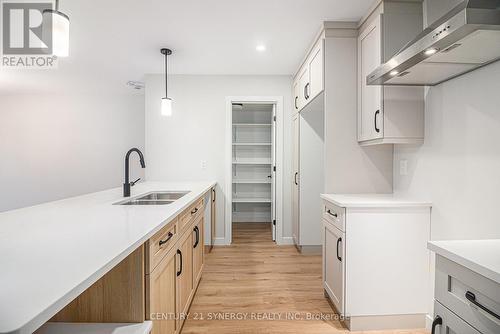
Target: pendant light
166	102
60	30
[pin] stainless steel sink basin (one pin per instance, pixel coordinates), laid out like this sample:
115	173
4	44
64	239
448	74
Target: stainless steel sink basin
150	202
155	198
164	195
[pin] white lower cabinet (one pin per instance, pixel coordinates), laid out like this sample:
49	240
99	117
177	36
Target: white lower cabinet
333	267
376	264
465	301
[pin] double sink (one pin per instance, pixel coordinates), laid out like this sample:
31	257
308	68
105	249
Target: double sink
155	198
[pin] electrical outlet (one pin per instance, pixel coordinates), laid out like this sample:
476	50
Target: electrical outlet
403	167
203	164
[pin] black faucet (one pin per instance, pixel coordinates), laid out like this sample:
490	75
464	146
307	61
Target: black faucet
127	184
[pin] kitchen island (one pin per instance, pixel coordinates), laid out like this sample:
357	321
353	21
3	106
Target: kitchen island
51	253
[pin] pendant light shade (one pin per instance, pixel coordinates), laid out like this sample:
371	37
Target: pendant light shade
60	30
166	106
166	102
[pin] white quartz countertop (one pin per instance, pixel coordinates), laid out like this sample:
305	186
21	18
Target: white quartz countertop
481	256
50	253
373	201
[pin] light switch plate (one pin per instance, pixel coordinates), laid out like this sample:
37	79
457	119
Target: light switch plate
203	164
403	167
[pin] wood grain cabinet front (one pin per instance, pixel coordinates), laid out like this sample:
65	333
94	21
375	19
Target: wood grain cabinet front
161	299
198	250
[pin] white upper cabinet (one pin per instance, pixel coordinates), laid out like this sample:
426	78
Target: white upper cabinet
316	68
308	83
388	114
371	125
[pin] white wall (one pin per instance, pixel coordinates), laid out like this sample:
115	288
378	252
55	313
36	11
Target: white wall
57	146
176	146
458	166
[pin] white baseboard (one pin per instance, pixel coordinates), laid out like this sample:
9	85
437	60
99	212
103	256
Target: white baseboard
220	242
428	322
286	241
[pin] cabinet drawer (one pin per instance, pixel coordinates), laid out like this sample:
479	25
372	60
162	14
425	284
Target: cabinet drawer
334	215
159	245
190	214
455	282
451	324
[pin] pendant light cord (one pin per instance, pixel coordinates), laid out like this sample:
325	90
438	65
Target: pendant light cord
166	75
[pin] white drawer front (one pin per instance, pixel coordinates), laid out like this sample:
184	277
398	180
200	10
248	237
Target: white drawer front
334	215
455	282
451	323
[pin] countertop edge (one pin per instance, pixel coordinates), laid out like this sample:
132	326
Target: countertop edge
395	204
35	323
474	266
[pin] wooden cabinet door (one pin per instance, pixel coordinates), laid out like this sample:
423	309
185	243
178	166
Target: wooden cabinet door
184	273
295	181
316	70
161	296
370	114
197	250
334	264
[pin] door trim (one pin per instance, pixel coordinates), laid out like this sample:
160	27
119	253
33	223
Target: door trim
279	128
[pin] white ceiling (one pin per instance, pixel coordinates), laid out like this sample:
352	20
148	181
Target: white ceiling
113	41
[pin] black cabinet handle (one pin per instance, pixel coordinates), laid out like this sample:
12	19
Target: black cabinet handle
295	178
339	240
213	195
162	242
180	258
296	98
375	120
332	213
437	321
306	95
194	211
197	231
472	298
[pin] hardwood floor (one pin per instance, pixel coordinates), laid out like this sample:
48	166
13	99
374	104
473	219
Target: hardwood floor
248	286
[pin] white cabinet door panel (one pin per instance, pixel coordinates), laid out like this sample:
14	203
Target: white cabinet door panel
333	271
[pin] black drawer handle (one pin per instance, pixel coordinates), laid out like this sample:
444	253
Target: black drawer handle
437	321
213	195
295	178
180	258
194	211
339	240
197	231
296	98
375	120
163	242
334	214
472	298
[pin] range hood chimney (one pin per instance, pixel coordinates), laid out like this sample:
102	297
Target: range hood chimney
466	38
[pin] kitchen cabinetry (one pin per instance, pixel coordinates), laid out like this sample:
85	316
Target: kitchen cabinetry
466	301
198	250
166	270
333	266
374	249
213	216
388	115
162	294
309	81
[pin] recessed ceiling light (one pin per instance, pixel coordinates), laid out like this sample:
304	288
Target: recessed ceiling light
260	48
394	73
430	52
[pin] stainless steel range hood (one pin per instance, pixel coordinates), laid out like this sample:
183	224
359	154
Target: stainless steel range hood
463	40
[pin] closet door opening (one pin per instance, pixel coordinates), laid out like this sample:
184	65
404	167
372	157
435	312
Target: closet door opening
253	169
